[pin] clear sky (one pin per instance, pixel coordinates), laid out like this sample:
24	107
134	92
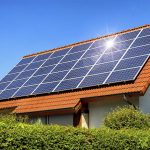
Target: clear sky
29	26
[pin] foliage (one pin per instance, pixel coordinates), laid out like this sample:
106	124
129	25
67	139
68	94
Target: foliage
127	117
23	136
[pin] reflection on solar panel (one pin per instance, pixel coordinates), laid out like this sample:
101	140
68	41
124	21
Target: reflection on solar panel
81	66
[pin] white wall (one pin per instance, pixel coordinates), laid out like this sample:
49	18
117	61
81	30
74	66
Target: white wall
103	105
61	119
144	102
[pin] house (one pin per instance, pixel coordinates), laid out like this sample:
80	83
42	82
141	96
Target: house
79	84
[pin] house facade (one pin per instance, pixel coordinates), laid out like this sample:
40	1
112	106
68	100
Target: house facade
85	107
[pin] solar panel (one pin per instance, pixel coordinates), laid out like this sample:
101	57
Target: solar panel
85	65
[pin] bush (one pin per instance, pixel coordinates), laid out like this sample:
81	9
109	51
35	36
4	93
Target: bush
23	136
127	117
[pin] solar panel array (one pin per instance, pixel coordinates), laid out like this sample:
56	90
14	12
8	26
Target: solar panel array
81	66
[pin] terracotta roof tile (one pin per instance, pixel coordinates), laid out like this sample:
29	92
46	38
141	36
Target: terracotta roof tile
71	99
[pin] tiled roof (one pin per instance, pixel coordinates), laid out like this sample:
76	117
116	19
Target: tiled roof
71	100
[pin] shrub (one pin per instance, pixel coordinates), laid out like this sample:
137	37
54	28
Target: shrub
127	117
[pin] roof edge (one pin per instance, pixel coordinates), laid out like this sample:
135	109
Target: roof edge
86	41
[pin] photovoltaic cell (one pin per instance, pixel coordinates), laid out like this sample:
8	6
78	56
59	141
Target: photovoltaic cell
86	62
60	53
80	48
34	65
68	84
94	52
141	41
16	83
42	57
45	88
64	66
120	46
18	69
107	57
101	68
44	70
71	57
7	94
93	80
131	62
26	74
145	32
101	42
52	61
9	77
3	85
137	51
78	72
26	60
123	75
25	91
127	36
55	76
35	80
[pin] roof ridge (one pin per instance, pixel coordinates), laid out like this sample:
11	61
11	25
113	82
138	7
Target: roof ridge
87	41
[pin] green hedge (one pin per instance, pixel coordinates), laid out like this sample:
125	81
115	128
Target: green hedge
127	117
21	136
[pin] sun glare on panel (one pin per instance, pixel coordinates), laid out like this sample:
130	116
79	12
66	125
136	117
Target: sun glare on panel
110	44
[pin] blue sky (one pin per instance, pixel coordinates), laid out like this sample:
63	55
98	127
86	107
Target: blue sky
29	26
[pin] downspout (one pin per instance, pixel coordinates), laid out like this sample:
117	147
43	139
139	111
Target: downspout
128	102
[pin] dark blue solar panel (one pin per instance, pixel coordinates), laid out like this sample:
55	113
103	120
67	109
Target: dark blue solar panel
7	94
60	53
94	52
123	75
34	65
127	36
145	32
4	85
131	62
42	57
44	70
78	72
25	91
64	69
9	77
26	74
35	80
16	83
86	62
52	61
55	76
64	66
68	84
45	88
80	48
101	68
137	51
26	60
111	56
71	57
101	42
18	69
93	80
141	41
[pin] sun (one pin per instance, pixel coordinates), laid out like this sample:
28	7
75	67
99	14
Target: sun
110	44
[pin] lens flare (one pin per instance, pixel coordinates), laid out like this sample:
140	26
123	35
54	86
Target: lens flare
109	44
